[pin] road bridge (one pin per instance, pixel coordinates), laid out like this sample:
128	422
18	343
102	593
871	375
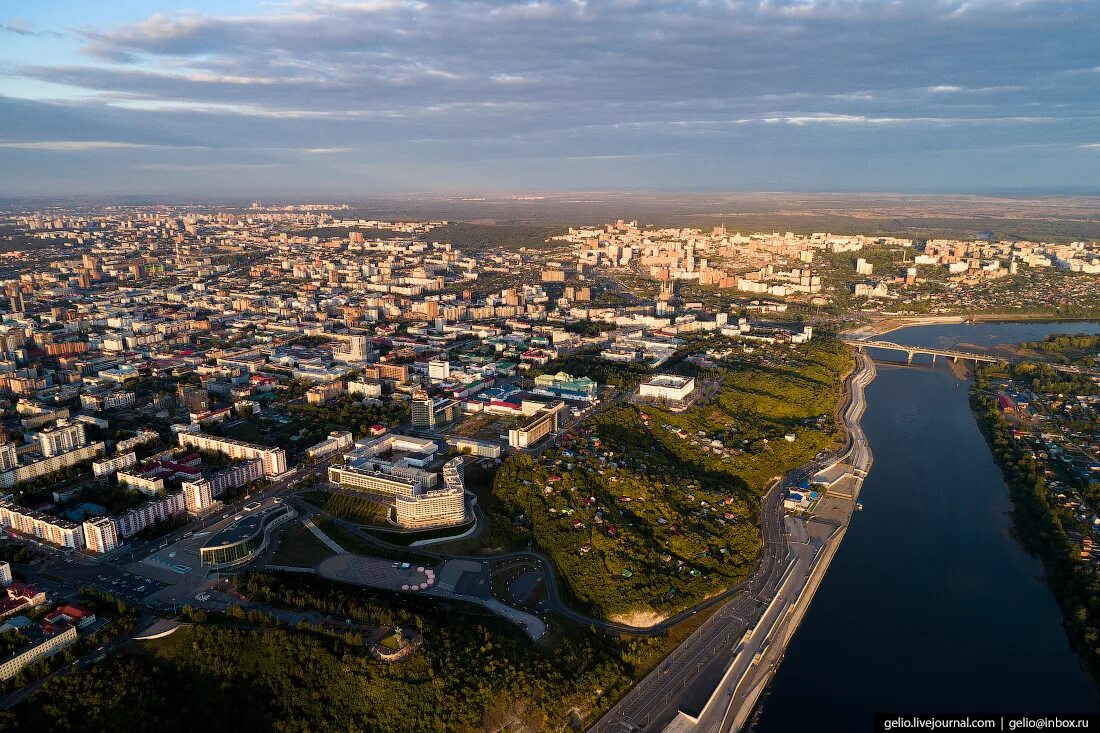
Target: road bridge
911	351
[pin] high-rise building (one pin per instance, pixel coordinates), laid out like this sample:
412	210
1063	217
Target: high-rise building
423	410
8	457
62	438
195	399
100	534
199	495
439	369
354	348
5	573
12	339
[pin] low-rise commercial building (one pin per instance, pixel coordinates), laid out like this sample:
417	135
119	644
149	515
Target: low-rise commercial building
243	540
365	388
565	385
321	393
538	426
479	448
668	387
17	597
41	649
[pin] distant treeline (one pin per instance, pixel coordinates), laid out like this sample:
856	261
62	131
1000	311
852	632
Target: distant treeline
494	236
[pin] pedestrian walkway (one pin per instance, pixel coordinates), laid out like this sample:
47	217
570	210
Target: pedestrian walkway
323	537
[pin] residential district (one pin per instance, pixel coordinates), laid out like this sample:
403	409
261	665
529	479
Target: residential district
192	394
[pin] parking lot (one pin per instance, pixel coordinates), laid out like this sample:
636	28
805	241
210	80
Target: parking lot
128	586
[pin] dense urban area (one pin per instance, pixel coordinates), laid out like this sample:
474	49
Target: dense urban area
324	471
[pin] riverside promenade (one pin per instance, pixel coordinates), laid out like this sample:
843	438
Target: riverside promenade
816	542
713	679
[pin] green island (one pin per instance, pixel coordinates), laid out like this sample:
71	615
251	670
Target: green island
1053	482
646	511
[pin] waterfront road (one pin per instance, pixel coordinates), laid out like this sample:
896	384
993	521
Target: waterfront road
689	669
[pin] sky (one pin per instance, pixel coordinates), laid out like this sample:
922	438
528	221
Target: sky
330	98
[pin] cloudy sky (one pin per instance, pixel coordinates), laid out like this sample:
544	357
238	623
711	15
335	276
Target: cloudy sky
345	98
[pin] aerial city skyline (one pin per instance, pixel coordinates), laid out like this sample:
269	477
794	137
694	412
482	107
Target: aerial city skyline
359	98
684	366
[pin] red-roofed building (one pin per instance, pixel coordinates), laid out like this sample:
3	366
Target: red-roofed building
18	597
81	617
262	383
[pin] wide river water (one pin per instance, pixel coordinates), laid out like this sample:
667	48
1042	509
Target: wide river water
929	604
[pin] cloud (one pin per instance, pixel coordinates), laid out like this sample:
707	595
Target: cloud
72	146
22	28
17	27
207	166
826	118
462	81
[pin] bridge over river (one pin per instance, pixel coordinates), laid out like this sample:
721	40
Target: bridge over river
911	351
950	353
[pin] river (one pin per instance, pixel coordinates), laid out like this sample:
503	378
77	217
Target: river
929	604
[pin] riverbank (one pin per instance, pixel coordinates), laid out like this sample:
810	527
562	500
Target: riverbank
752	641
687	688
929	571
888	324
823	534
1038	528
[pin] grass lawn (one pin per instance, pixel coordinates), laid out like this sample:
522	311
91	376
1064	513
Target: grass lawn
390	641
354	543
300	548
645	511
360	510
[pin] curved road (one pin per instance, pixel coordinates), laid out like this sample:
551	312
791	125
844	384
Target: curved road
772	533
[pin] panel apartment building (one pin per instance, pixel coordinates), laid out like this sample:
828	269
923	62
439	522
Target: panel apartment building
46	527
274	459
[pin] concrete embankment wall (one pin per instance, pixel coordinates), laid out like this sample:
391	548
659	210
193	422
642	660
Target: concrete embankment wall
790	622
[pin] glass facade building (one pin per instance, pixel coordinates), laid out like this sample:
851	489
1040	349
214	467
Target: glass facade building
243	540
